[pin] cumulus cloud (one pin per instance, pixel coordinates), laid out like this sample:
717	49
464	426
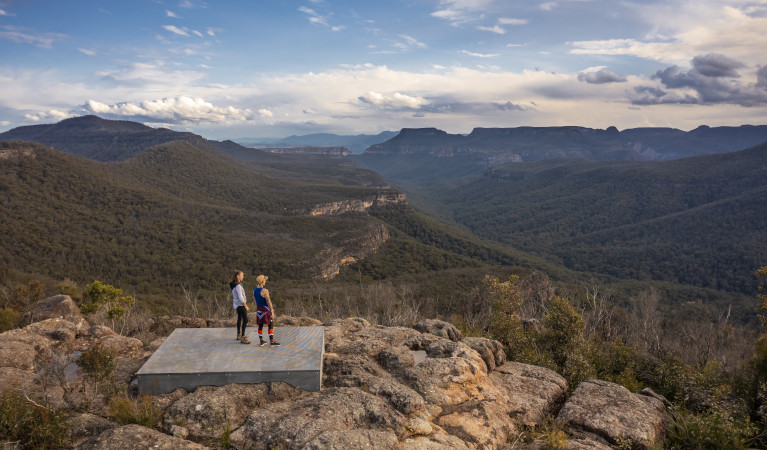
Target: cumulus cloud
179	109
601	76
393	101
51	116
713	79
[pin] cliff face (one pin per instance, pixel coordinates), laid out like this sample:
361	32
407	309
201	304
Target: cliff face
341	207
325	151
332	259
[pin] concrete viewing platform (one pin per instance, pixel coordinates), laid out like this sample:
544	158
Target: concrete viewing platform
192	357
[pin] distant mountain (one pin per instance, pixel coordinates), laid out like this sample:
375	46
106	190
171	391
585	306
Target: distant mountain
524	144
356	144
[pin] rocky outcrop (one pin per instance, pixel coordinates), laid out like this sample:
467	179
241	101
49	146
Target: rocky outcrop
333	258
324	151
209	410
57	307
614	414
425	387
360	205
136	437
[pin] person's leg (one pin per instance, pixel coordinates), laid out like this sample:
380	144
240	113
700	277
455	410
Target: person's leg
240	310
271	333
261	333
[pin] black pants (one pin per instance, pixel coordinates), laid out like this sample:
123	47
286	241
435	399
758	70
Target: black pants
242	319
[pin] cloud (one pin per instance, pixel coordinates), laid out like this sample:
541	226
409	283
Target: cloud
265	113
5	13
393	101
480	55
169	13
151	76
512	21
548	6
713	79
51	115
181	109
21	36
715	65
761	77
601	77
461	11
176	30
86	51
496	29
314	16
682	30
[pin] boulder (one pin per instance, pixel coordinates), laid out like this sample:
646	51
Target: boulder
370	340
205	412
490	350
301	422
290	321
535	393
339	327
56	329
447	381
17	354
57	307
612	412
99	331
439	328
164	326
480	423
136	437
84	426
396	358
120	345
342	440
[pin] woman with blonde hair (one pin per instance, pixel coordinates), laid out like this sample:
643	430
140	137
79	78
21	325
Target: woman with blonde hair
240	304
264	311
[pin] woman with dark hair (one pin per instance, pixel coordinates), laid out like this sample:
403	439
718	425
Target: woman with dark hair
240	304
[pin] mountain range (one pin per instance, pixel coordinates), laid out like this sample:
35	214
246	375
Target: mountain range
355	144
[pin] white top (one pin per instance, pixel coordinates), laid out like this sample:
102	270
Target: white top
238	296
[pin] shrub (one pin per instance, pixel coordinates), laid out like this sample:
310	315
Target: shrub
9	319
139	411
98	363
29	424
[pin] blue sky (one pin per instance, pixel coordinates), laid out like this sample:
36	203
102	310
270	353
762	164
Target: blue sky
273	68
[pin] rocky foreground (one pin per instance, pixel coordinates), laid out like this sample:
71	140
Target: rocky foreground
463	394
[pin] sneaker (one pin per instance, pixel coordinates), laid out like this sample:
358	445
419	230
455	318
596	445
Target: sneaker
274	344
245	340
262	343
239	336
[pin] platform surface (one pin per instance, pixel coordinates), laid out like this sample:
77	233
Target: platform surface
192	357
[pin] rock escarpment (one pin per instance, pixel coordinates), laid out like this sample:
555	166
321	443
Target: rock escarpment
383	387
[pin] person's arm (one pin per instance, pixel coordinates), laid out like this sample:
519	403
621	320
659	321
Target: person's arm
265	293
243	297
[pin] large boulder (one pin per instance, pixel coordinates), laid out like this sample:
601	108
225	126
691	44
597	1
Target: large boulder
56	329
535	393
328	419
439	328
85	426
613	413
136	437
209	410
57	307
120	345
447	381
490	350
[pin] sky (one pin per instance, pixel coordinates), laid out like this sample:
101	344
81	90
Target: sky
275	68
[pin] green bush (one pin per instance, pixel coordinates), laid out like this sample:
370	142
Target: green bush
9	319
717	429
98	363
139	411
30	425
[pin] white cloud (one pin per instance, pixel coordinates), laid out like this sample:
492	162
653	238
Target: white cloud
395	100
176	30
51	115
314	16
86	51
181	109
480	55
496	29
681	31
21	36
461	11
156	75
5	13
263	112
512	21
169	13
213	31
548	6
